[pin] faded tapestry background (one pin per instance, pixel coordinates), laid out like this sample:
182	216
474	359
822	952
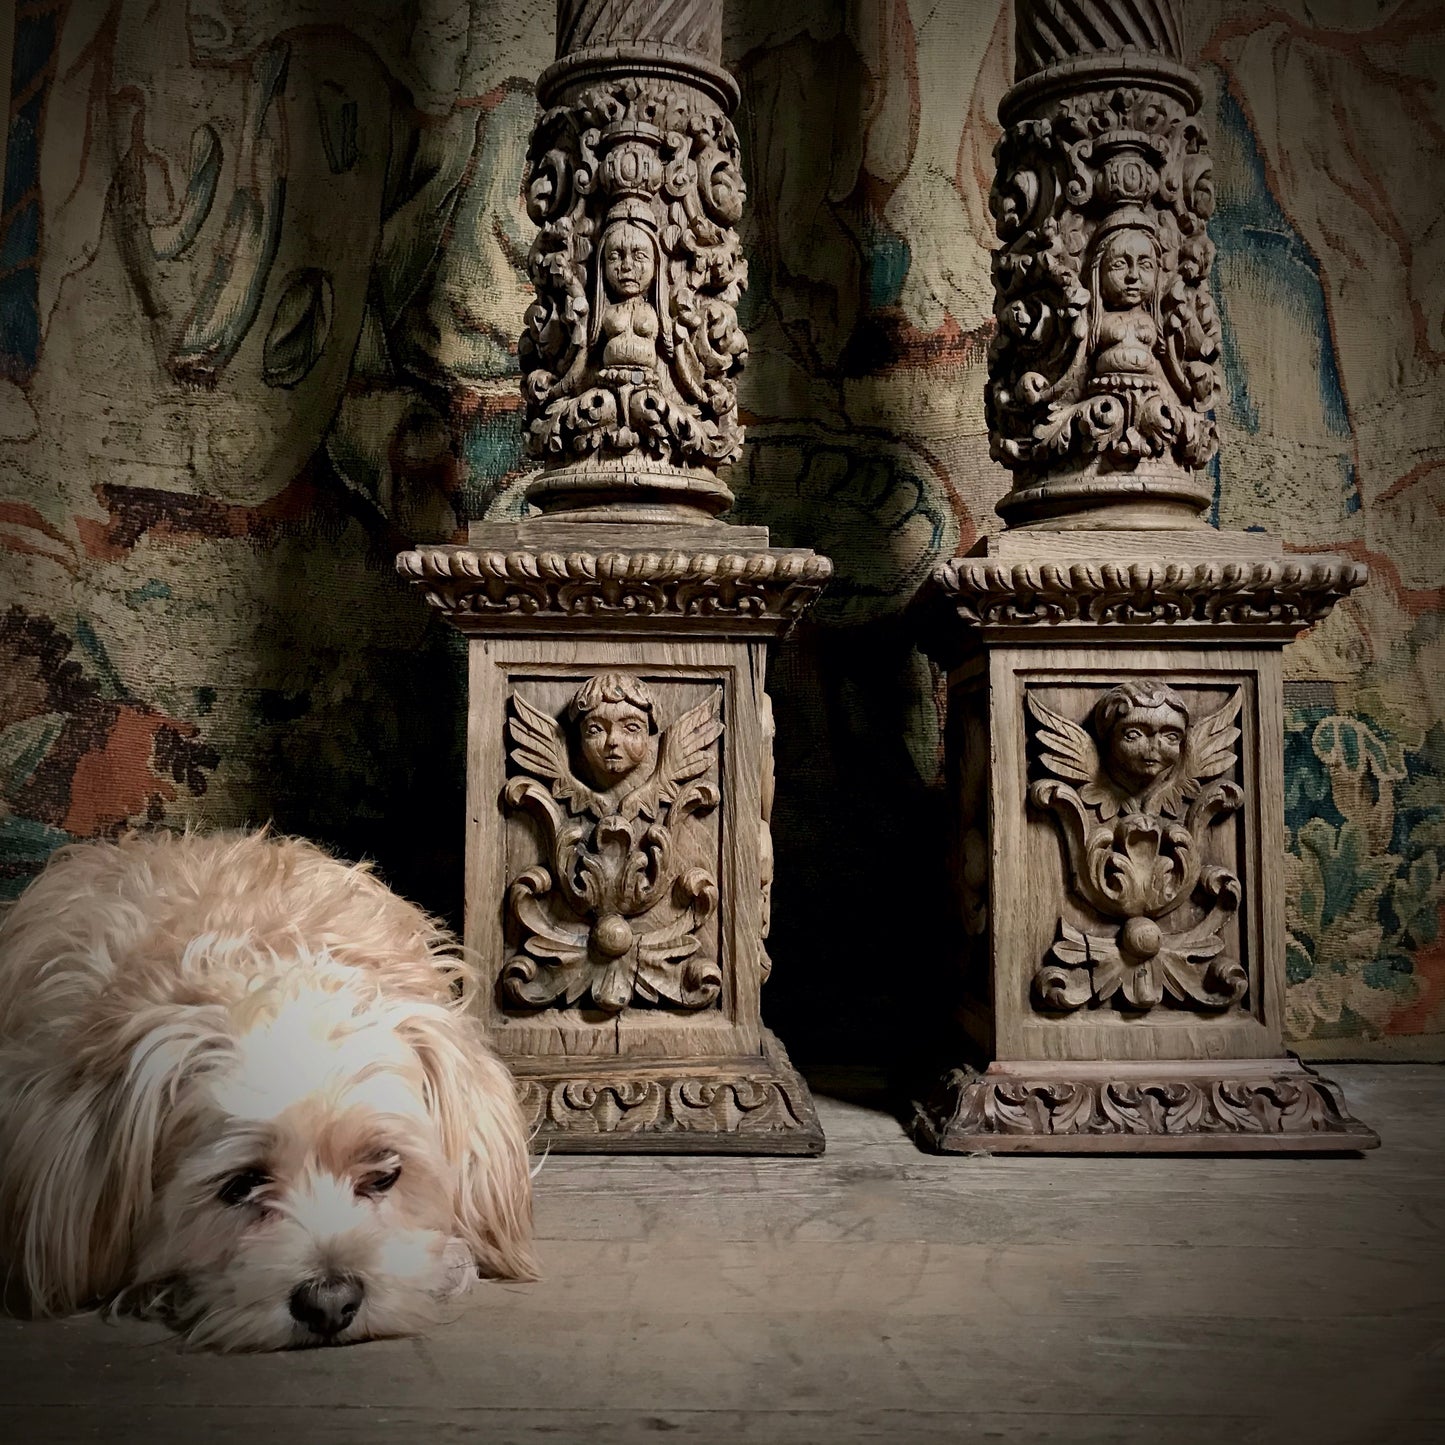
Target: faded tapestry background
261	271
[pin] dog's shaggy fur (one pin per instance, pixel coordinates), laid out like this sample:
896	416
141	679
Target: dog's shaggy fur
237	1093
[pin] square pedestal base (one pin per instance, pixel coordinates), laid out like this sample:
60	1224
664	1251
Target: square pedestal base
619	852
623	1106
1247	1106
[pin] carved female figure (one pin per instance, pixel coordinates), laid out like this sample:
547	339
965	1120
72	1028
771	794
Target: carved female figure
1125	325
629	314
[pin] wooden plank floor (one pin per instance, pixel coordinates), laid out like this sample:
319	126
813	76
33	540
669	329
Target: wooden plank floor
877	1294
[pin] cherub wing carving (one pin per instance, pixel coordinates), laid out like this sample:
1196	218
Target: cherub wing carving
1209	752
684	752
1068	752
541	750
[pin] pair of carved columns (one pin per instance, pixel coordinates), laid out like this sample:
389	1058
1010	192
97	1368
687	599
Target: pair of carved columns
619	774
1114	663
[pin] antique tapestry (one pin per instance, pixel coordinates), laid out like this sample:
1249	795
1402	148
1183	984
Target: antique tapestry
262	274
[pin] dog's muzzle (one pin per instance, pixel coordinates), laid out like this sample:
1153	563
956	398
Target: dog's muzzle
328	1304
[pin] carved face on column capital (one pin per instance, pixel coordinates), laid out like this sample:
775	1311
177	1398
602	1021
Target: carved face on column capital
629	262
632	346
1128	270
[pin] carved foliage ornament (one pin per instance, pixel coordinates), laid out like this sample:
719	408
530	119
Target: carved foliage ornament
1135	800
1107	346
615	911
632	344
620	586
977	1105
663	1106
1280	596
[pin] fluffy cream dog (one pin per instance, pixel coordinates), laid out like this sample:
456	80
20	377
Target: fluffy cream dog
237	1094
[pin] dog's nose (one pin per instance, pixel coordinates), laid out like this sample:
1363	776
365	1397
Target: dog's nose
328	1304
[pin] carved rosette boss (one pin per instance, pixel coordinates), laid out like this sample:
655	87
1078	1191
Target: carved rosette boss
1114	664
619	772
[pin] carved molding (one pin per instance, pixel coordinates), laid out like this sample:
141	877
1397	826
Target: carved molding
765	835
483	588
1135	794
1105	363
613	914
756	1108
631	349
1285	1108
1277	596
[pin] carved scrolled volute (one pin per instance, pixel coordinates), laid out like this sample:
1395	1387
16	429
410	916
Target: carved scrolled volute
1136	794
630	351
613	913
1105	364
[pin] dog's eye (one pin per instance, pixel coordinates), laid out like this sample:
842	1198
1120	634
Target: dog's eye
376	1184
239	1188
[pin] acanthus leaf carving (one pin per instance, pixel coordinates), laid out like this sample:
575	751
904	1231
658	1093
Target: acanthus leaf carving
631	349
1276	595
980	1111
1105	361
1134	800
614	912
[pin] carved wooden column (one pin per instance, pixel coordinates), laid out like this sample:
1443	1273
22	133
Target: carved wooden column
620	739
1116	726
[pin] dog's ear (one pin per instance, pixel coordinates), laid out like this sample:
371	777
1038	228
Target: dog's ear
473	1102
81	1154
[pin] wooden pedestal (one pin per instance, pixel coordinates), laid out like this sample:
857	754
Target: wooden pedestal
619	863
1115	747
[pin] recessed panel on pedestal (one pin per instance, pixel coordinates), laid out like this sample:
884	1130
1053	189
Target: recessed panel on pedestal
619	871
1132	903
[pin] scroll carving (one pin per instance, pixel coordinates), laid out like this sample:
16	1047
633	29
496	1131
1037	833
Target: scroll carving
630	351
988	1110
1106	357
1135	799
614	913
663	1106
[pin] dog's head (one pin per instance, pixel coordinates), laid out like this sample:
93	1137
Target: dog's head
311	1162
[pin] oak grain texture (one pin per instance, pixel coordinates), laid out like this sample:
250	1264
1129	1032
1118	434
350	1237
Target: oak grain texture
877	1294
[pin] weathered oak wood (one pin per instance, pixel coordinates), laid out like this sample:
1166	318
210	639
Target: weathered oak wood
1115	744
620	772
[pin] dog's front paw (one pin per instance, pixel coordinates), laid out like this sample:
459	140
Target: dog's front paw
460	1269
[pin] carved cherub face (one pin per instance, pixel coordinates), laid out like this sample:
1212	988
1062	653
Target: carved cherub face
1128	270
628	264
1145	744
615	741
613	714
